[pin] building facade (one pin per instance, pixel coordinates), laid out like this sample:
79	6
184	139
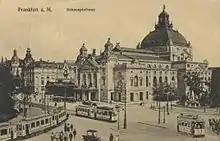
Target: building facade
164	55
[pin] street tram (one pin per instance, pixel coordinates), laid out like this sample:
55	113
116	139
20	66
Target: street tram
192	125
104	113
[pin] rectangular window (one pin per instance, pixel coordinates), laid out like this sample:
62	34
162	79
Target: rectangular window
147	81
4	131
147	95
131	96
141	82
141	96
32	124
42	122
47	121
37	123
42	82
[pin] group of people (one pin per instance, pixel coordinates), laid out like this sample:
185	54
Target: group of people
68	134
214	124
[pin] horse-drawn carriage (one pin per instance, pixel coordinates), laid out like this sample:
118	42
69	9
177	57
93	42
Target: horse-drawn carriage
91	135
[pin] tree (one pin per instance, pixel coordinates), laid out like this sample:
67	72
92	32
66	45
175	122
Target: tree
165	92
6	88
199	90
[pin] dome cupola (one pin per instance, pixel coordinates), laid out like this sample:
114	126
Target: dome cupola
163	34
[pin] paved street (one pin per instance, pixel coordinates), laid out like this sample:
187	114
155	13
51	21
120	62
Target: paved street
142	125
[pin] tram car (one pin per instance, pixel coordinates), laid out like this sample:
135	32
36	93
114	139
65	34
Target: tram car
31	126
104	113
192	125
5	131
85	111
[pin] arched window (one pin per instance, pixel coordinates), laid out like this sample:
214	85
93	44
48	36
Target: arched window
155	81
160	80
149	66
155	66
147	81
173	78
166	79
84	79
167	67
136	81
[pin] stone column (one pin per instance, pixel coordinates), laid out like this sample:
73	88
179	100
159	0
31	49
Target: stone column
89	93
83	96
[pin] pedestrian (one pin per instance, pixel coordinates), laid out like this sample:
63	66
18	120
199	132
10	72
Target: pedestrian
61	136
68	127
65	136
70	136
65	127
111	137
71	127
57	136
52	136
74	133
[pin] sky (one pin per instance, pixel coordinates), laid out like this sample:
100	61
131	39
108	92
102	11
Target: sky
59	34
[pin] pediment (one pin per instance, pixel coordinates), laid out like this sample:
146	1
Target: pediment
88	64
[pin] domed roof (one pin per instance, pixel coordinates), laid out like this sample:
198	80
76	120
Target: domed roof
164	37
164	34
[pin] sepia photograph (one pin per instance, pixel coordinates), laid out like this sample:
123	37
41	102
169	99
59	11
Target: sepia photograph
109	70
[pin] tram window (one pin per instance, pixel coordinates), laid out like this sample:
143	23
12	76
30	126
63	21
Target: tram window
188	125
42	122
4	132
37	123
32	124
47	121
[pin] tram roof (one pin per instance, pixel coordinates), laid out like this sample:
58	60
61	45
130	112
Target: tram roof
82	105
190	117
4	124
105	107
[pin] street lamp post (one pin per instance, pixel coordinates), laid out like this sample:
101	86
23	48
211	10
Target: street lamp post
122	86
164	111
125	112
118	110
168	113
159	112
65	74
65	97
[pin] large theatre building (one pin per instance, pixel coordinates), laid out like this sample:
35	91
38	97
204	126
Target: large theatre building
119	72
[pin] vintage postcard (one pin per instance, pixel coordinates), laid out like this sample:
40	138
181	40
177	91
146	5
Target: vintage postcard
109	70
